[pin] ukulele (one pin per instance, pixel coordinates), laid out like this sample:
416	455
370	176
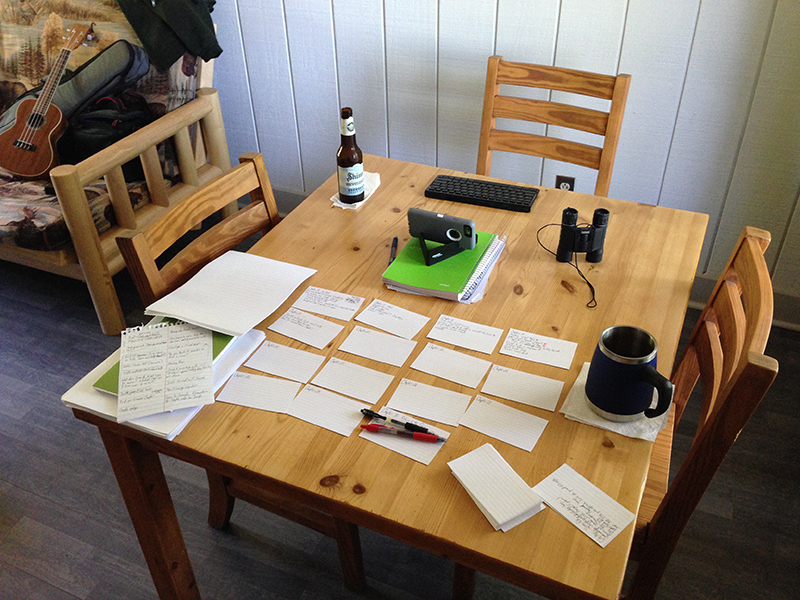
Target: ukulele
28	149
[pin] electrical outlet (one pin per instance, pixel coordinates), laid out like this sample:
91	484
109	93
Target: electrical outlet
565	183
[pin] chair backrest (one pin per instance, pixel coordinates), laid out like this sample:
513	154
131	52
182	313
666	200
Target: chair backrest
140	250
607	124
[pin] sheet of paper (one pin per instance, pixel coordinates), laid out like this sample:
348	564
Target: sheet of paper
429	402
525	388
164	367
233	293
259	391
388	317
379	346
362	383
283	361
306	328
584	505
327	410
423	452
504	423
451	365
466	334
329	303
501	494
539	348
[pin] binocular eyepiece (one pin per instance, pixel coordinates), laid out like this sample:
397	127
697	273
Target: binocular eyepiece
584	238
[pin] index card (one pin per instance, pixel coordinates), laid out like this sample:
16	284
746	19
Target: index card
504	423
584	505
429	402
459	332
329	303
525	388
451	365
259	391
423	452
501	494
283	361
233	293
539	348
355	381
388	317
379	346
306	328
327	410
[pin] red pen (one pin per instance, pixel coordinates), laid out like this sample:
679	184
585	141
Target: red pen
422	437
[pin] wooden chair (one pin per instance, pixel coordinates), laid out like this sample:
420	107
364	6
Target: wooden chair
607	124
140	252
725	354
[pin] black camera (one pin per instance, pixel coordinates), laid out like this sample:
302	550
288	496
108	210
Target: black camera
584	238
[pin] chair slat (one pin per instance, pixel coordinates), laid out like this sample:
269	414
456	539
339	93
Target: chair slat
555	78
551	113
120	198
154	176
537	145
186	159
732	322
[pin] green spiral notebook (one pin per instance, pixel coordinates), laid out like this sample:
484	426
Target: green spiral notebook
458	278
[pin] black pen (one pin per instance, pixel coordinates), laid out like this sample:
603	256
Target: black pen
393	253
403	424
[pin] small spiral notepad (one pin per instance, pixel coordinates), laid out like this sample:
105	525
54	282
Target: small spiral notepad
484	267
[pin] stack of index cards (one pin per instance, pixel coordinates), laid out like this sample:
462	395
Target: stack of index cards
503	496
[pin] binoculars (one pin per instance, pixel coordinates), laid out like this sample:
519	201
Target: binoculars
584	238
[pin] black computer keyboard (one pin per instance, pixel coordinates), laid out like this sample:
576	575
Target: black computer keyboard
482	193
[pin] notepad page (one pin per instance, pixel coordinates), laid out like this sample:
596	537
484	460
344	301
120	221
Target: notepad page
376	345
525	388
362	383
259	391
329	303
584	504
503	422
429	402
451	365
327	410
423	452
500	493
306	328
283	361
539	348
466	334
393	319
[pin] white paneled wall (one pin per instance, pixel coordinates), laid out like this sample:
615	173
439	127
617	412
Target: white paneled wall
712	122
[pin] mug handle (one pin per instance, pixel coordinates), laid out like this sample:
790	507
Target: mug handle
665	391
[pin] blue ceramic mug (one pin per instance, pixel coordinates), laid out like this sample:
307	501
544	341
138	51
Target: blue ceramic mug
622	376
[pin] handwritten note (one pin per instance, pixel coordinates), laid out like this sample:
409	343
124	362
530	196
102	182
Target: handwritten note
388	317
259	391
466	334
451	365
525	388
329	303
379	346
429	402
327	410
419	451
306	328
164	367
584	505
363	383
539	348
504	423
283	361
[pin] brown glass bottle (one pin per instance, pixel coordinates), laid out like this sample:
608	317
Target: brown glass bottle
350	162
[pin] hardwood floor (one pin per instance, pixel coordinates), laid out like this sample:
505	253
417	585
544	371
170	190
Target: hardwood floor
65	533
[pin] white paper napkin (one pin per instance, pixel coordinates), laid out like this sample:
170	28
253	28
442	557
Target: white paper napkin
371	183
576	407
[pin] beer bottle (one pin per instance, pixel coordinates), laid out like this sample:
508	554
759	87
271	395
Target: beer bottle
350	162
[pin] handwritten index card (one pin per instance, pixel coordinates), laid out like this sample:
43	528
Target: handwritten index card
466	334
423	452
283	361
451	365
584	505
525	388
329	303
164	367
388	317
429	402
363	383
259	391
306	328
539	348
379	346
504	423
327	410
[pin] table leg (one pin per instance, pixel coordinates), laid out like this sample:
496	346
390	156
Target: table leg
144	489
220	502
463	582
350	558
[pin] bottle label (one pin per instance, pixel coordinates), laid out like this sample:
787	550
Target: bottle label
351	180
348	126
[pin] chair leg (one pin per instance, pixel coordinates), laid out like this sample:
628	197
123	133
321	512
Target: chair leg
350	555
463	582
220	502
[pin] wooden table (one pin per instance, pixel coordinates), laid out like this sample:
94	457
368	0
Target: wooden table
651	254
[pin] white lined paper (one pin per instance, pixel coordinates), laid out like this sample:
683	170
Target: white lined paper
283	361
465	334
379	346
507	424
451	365
259	391
525	388
393	319
306	328
329	303
429	402
327	410
539	348
362	383
423	452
